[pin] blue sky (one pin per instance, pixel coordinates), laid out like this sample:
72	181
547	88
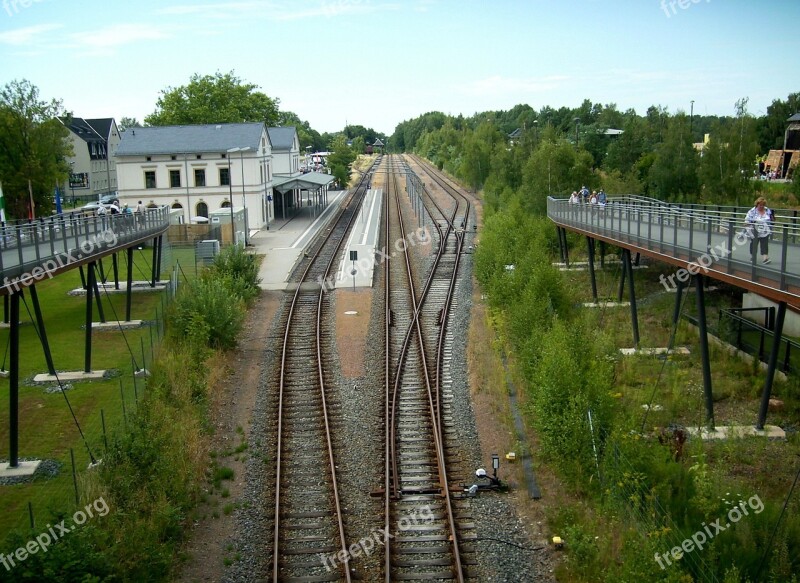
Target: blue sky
379	62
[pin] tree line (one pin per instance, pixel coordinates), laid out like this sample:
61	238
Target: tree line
533	154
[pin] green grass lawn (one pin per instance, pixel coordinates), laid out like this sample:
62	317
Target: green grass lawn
47	429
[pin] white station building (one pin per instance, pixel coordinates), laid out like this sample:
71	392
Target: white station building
200	169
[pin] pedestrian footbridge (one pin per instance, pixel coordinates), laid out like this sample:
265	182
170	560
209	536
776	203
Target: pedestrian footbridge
704	239
700	241
31	251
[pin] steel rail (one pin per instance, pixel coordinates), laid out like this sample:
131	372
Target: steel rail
320	370
432	396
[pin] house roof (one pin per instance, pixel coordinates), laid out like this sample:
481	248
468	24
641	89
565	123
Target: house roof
282	138
515	134
83	129
613	132
795	117
190	139
101	125
308	181
378	142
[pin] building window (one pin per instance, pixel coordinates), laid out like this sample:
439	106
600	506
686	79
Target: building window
199	177
224	177
199	156
201	210
174	178
177	205
173	157
149	159
150	179
225	204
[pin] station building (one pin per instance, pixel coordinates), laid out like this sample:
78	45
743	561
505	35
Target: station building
199	169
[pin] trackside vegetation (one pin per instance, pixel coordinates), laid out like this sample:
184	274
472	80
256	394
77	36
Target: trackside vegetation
153	472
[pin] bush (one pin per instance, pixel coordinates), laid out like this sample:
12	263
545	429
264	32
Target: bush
240	269
209	310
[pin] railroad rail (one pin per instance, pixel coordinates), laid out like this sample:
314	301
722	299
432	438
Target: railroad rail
418	503
308	520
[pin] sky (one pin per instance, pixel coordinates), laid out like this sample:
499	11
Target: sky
377	63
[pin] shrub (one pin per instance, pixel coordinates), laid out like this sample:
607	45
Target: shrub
208	310
240	270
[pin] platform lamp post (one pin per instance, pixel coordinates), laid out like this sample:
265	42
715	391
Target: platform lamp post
230	196
691	119
577	123
244	198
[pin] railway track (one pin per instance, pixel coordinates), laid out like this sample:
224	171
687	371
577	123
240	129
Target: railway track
308	519
419	506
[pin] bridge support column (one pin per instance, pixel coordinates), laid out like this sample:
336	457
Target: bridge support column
98	298
37	310
13	384
129	290
676	314
621	290
5	309
562	242
102	270
83	276
590	245
115	266
777	332
90	287
699	285
602	254
628	266
155	261
160	245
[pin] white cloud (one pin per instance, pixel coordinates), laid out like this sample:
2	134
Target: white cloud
28	35
117	35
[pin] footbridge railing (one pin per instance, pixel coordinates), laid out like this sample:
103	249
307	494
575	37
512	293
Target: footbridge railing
714	241
33	250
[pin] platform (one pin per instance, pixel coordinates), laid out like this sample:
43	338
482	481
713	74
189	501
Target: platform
286	241
363	240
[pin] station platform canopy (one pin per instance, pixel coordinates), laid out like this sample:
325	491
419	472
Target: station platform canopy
307	181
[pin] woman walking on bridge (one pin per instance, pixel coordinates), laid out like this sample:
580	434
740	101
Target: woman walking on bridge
759	222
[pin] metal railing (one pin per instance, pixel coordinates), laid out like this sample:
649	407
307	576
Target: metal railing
31	250
711	239
756	339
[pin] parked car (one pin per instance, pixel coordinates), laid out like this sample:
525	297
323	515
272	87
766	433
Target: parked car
110	198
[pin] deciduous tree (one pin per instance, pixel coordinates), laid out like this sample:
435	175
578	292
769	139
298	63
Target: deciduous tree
218	98
33	148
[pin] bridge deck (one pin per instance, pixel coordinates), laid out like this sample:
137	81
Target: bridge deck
33	251
695	239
